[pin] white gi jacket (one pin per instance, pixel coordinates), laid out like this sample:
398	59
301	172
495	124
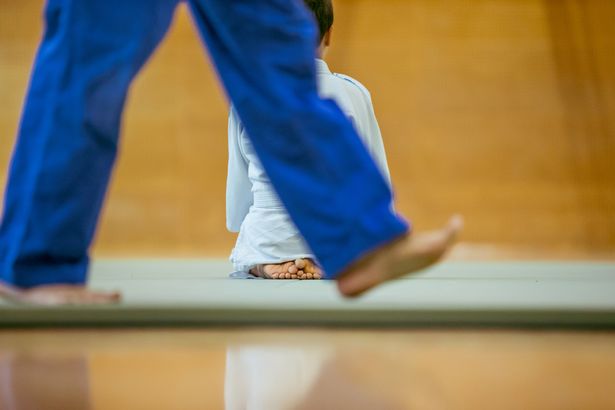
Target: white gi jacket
266	233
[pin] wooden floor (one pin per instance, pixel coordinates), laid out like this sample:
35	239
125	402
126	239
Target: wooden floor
306	369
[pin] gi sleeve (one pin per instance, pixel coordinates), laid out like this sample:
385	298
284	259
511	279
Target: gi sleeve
238	186
372	138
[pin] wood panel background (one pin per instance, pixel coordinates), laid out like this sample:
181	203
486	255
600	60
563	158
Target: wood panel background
502	110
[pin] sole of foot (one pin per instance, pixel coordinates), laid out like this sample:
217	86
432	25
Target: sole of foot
301	269
406	255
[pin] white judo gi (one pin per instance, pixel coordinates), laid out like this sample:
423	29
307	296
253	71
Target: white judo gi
266	232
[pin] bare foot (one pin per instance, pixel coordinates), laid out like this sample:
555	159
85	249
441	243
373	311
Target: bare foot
405	255
57	295
297	269
308	269
276	271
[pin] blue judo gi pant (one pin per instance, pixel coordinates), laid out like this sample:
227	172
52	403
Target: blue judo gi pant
263	51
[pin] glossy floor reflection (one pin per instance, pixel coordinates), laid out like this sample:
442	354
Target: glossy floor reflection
305	369
33	381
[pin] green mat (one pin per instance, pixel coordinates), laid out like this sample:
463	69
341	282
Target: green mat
199	292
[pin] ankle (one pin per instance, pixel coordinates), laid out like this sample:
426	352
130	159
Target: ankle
383	257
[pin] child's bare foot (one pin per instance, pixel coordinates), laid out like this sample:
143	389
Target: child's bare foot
297	269
406	255
57	295
275	271
307	269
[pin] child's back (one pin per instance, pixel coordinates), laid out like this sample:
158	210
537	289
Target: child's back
266	233
268	243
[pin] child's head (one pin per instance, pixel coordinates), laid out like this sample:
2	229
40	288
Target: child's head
323	11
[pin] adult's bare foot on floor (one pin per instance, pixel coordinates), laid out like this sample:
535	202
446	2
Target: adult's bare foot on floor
408	254
57	295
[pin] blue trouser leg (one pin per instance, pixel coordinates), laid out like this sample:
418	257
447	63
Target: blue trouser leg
67	143
264	52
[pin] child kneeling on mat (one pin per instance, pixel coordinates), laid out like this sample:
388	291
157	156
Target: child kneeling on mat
269	245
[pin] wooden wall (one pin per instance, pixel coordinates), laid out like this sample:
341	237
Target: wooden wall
502	110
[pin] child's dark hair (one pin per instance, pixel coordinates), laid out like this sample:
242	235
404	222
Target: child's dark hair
323	10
